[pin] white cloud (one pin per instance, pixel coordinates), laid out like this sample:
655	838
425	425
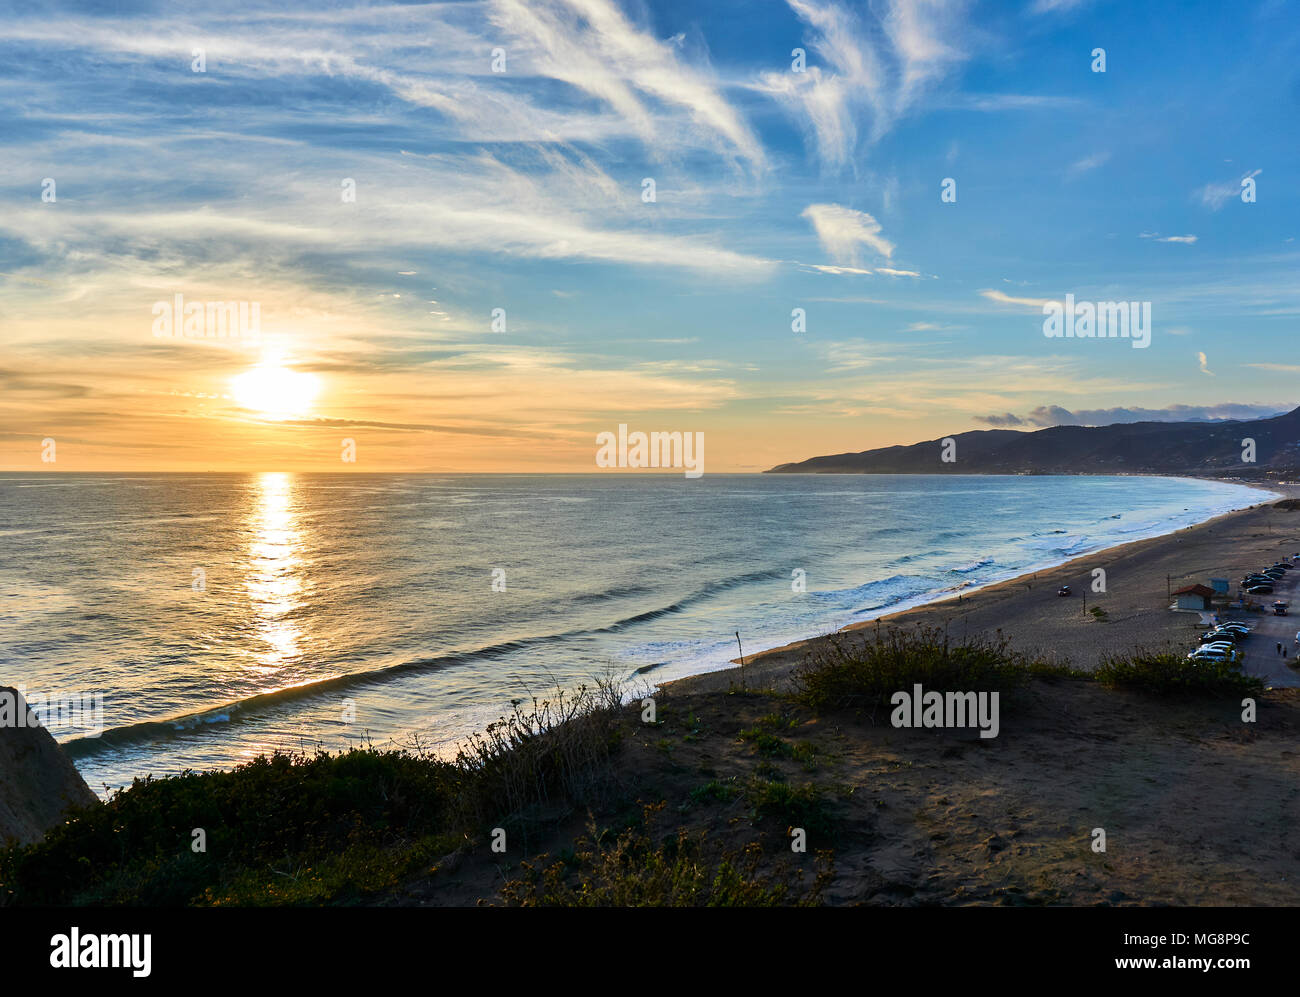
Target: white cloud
1185	239
838	271
1012	102
931	327
1055	6
591	44
841	231
1088	163
852	354
554	207
883	69
642	86
1006	299
1204	364
1056	415
1215	195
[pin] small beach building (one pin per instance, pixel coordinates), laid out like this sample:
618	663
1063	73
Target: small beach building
1193	597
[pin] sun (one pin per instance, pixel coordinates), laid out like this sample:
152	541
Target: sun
272	390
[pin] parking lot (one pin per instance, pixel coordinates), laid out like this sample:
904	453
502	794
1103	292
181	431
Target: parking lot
1260	650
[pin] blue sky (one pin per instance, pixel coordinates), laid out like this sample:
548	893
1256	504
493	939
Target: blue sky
522	190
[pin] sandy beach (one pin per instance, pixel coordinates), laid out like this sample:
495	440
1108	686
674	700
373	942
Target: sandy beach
1139	577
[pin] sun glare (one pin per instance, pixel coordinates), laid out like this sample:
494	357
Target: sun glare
275	391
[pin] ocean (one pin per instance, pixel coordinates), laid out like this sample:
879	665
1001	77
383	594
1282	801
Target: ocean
222	616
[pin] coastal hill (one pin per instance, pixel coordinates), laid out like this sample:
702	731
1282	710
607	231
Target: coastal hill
1212	449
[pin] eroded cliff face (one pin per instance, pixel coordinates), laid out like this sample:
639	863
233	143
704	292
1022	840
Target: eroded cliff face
37	781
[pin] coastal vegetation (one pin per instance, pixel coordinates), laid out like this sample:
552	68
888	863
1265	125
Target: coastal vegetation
601	807
852	672
1167	672
319	828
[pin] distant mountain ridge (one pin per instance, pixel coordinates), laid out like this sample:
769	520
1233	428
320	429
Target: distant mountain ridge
1212	449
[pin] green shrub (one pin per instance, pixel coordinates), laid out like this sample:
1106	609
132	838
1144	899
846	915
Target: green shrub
1168	671
713	792
852	671
791	806
683	871
273	814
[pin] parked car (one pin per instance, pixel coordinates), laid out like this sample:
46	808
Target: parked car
1217	654
1064	590
1213	654
1214	636
1241	632
1260	589
1218	647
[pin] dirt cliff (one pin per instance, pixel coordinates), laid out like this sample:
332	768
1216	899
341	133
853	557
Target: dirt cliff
37	781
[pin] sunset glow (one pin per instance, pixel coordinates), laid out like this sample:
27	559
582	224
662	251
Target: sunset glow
385	235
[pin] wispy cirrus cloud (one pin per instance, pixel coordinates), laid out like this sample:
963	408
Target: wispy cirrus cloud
1088	163
843	232
1001	298
838	271
1215	195
593	46
1055	6
869	65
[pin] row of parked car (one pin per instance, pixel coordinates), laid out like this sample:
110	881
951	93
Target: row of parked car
1261	582
1220	644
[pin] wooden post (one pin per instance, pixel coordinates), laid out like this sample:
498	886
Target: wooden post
742	660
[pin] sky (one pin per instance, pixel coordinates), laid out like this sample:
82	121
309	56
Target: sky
476	235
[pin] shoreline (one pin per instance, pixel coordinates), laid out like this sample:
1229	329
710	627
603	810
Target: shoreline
77	748
1225	542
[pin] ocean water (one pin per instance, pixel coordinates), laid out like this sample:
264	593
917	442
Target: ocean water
222	616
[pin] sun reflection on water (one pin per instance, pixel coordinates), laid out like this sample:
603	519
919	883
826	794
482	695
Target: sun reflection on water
274	579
